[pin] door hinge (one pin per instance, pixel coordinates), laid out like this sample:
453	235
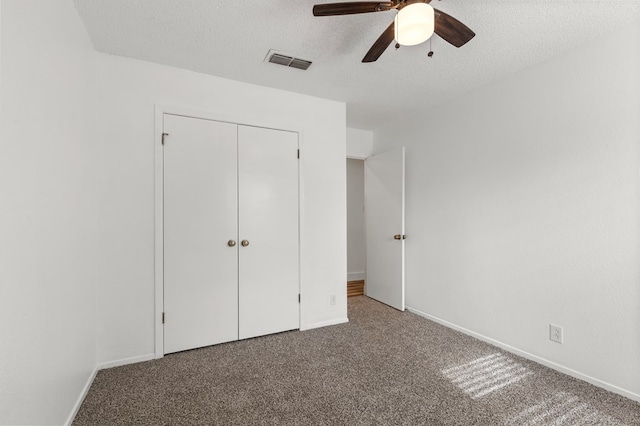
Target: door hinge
298	153
163	135
163	317
298	297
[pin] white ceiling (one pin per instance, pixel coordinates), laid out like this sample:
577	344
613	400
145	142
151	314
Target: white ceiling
231	39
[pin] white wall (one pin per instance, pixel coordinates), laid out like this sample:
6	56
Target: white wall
356	243
359	143
47	212
128	91
522	210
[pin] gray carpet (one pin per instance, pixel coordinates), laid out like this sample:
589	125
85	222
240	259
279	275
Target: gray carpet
383	367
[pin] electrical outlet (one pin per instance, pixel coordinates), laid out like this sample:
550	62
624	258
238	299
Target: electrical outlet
332	299
555	333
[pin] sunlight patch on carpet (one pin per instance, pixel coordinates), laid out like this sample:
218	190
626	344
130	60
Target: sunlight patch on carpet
484	375
561	409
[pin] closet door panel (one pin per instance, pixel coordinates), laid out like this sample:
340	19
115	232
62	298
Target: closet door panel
200	217
268	221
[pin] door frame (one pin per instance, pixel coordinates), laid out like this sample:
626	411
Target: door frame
254	121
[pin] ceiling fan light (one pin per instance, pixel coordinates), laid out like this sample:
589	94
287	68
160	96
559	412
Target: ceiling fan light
414	24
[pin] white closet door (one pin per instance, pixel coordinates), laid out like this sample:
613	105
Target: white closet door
268	218
200	217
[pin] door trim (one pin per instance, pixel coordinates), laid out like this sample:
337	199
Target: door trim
254	121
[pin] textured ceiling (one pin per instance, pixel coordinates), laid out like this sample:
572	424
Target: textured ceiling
231	39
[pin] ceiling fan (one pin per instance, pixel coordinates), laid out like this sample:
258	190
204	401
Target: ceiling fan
414	23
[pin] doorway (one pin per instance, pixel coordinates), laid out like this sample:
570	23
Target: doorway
356	234
376	228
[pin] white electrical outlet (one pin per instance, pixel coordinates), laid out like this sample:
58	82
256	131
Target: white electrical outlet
555	333
332	299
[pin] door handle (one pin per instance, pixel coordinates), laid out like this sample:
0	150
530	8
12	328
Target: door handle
231	243
245	243
399	237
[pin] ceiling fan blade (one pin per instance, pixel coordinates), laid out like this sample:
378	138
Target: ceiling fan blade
452	30
381	44
350	8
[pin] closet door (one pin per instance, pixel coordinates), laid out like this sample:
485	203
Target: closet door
200	218
268	222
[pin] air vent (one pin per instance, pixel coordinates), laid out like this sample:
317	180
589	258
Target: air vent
301	64
280	59
288	61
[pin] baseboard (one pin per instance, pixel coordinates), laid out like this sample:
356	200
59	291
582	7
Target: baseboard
324	324
561	368
81	397
355	276
125	361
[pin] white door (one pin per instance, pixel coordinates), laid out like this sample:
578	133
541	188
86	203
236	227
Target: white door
268	222
384	216
200	218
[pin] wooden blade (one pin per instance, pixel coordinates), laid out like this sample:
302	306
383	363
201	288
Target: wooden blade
452	30
350	8
381	44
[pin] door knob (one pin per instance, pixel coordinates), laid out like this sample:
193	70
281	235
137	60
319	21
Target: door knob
245	243
399	237
231	243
